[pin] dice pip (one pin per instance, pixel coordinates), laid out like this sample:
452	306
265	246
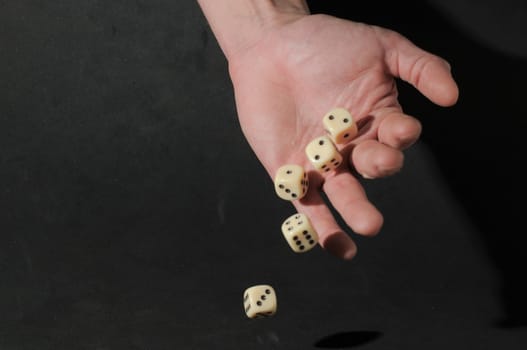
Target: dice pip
259	301
291	182
340	125
299	233
323	154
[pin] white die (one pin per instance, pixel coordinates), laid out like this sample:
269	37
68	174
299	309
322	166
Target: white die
291	182
323	154
299	233
259	301
340	125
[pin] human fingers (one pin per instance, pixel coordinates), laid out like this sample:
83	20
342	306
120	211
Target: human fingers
373	159
428	73
348	197
331	236
399	130
396	132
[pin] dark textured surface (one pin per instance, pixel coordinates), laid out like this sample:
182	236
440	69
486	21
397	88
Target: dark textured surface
133	214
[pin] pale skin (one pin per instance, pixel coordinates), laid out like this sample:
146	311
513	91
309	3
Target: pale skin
289	68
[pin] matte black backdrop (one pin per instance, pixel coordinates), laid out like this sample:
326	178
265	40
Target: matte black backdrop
133	213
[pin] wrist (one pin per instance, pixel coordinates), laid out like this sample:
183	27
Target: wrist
240	24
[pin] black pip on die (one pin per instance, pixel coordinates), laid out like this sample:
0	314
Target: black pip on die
299	233
291	182
259	301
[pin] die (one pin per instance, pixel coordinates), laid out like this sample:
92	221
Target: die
323	154
299	233
291	182
259	301
340	126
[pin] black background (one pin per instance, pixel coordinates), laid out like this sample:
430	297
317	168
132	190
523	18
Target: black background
133	213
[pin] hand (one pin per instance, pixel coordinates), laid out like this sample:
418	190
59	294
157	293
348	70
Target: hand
305	65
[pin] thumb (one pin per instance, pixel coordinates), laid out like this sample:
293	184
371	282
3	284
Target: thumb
428	73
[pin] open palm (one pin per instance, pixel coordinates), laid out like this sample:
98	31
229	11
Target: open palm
302	68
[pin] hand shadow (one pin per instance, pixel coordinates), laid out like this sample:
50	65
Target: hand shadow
348	340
